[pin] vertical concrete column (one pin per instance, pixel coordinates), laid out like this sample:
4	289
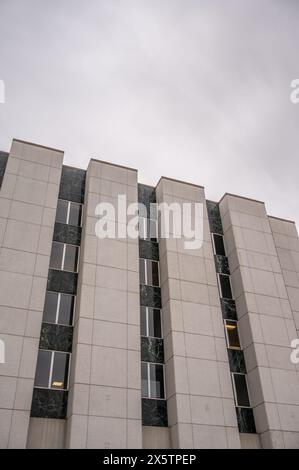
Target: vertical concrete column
287	245
28	200
105	385
201	411
266	323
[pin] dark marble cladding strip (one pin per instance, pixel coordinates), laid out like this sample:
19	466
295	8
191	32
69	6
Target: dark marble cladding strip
154	412
221	264
147	196
56	337
228	307
67	234
62	281
245	420
214	217
148	250
236	361
152	350
49	403
150	296
72	184
3	162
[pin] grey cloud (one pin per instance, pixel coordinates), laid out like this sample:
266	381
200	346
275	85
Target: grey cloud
197	90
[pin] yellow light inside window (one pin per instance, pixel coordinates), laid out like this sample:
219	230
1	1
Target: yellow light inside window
57	384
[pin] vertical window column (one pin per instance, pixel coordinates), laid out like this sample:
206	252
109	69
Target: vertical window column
154	405
237	365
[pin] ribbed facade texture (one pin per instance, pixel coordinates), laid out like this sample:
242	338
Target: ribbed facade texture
141	342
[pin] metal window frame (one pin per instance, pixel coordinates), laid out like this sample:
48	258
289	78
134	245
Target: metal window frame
147	323
145	230
69	210
220	287
214	245
225	320
235	390
63	257
145	260
58	307
51	370
149	381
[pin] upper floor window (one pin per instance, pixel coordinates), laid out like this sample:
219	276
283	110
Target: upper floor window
69	212
232	335
59	308
152	380
149	272
64	257
148	229
150	322
218	244
225	287
240	390
52	369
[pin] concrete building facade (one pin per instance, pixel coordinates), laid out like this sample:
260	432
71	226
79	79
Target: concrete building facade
127	342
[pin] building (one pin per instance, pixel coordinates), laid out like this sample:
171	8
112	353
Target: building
127	343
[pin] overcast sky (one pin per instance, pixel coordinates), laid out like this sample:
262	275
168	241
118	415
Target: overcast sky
191	89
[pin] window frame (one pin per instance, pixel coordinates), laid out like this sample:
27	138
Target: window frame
51	370
235	389
63	257
149	380
69	210
146	260
220	286
144	221
227	335
147	322
214	245
59	294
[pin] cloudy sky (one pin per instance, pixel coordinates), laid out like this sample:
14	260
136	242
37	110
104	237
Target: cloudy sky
192	89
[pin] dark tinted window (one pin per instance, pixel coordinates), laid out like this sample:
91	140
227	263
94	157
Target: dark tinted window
226	291
154	322
156	381
152	273
62	211
50	308
144	380
219	245
142	270
71	258
75	214
66	309
60	370
43	369
242	397
56	255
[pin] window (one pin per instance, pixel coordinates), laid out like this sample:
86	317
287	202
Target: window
150	319
149	272
225	287
240	390
218	244
148	229
152	380
232	335
59	308
52	369
64	257
69	212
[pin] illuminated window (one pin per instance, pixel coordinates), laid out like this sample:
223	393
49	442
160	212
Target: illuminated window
52	369
232	335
